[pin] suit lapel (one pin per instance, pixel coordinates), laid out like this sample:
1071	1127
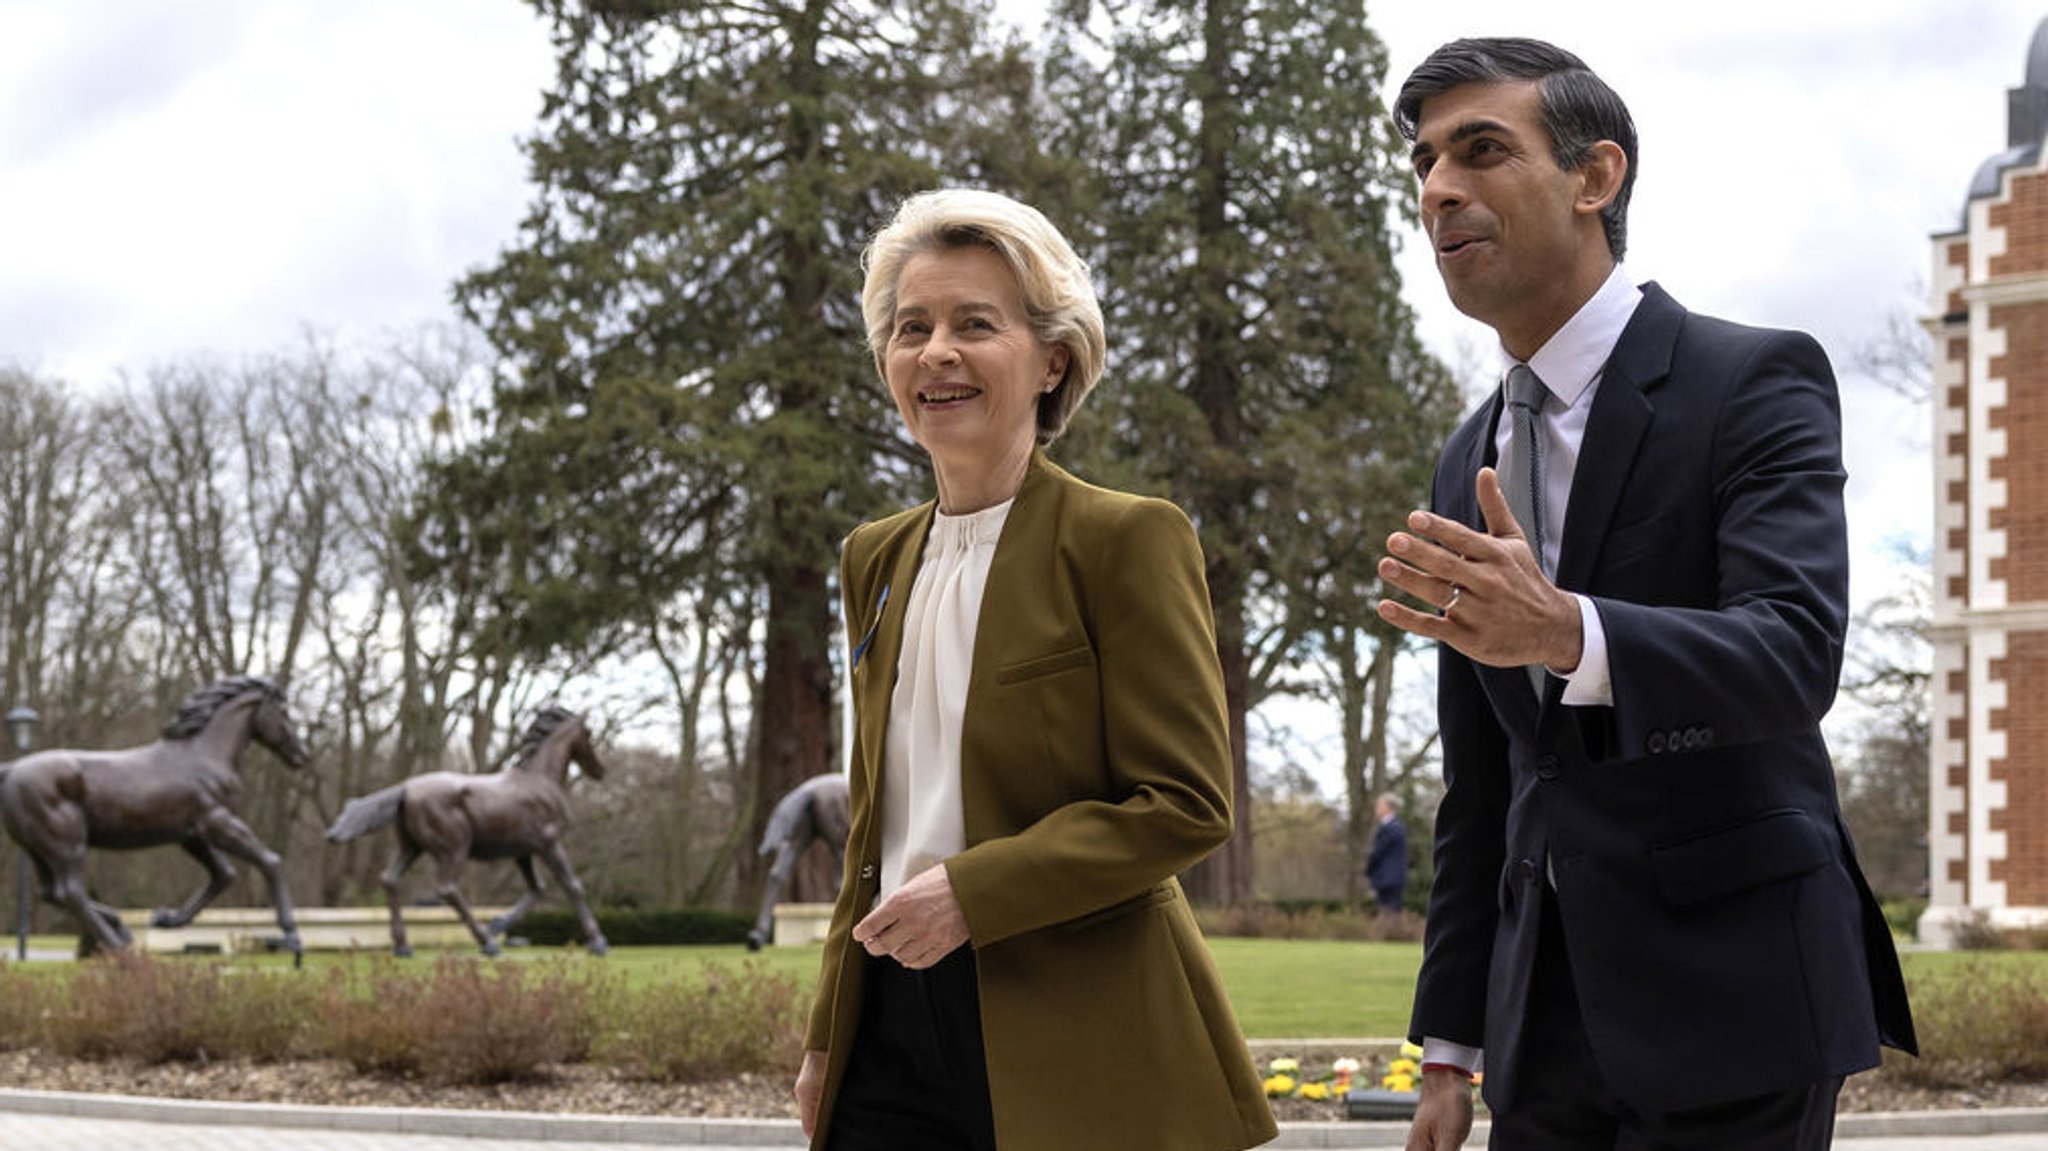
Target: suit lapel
1640	362
1016	583
1508	687
1478	454
900	557
1016	601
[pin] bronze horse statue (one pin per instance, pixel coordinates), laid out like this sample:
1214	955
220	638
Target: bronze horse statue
816	809
515	814
186	788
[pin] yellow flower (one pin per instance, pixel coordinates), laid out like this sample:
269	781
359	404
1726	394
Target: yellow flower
1398	1083
1411	1051
1284	1066
1406	1067
1314	1091
1280	1085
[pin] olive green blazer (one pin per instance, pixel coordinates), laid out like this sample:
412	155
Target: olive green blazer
1096	766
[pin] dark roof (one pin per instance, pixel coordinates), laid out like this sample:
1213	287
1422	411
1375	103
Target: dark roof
2037	58
2026	125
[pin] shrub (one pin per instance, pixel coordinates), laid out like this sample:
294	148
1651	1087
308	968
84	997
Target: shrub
633	927
1904	916
499	1022
374	1020
466	1020
1981	1020
263	1013
22	999
2028	938
129	1004
158	1010
733	1020
1974	932
1308	920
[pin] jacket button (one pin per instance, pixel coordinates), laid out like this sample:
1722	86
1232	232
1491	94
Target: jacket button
1691	738
1656	743
1706	737
1546	767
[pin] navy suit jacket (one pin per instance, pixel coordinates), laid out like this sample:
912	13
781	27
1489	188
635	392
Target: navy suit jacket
1721	936
1386	865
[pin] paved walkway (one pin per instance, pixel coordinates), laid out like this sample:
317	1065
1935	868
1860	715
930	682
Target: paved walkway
71	1133
53	1121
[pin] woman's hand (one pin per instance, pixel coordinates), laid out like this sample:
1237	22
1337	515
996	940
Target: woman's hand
810	1090
919	924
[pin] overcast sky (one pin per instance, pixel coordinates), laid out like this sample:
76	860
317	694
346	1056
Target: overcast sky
215	176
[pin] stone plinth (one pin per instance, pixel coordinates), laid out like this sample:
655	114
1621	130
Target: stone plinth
801	924
244	930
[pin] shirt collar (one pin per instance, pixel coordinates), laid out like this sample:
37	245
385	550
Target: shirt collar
1569	361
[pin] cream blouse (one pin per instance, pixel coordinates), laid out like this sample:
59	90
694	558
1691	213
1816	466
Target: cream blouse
921	811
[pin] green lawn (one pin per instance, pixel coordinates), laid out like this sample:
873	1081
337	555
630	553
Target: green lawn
1281	989
1319	989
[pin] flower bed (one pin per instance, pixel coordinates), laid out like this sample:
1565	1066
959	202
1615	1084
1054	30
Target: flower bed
1363	1085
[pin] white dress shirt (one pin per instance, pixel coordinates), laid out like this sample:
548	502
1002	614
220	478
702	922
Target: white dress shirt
1569	364
922	821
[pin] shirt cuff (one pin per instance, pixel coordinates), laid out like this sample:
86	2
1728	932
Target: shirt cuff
1436	1050
1589	685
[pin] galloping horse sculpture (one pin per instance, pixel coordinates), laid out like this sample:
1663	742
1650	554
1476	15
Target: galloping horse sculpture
185	788
514	814
813	810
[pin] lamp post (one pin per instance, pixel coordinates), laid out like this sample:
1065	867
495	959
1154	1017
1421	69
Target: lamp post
21	724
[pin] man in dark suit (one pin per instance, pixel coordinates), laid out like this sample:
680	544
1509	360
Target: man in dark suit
1647	919
1386	864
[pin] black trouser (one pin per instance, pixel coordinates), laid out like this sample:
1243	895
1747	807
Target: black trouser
1562	1103
917	1079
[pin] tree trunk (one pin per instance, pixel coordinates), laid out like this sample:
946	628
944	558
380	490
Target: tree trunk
794	712
1222	489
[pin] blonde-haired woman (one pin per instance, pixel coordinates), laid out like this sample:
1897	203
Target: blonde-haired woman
1040	745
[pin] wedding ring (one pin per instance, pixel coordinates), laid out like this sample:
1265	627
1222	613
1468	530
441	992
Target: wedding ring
1457	593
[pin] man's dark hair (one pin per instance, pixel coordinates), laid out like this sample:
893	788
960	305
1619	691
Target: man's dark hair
1577	107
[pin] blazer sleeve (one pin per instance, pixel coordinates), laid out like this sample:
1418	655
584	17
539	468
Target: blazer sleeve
1165	742
1756	654
1469	852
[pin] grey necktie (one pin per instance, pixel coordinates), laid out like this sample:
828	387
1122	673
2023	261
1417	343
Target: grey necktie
1521	472
1521	465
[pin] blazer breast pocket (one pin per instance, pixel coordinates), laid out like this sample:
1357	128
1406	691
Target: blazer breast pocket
1041	728
1069	659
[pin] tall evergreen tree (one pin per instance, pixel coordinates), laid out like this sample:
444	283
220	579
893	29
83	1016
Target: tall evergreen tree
1267	371
694	405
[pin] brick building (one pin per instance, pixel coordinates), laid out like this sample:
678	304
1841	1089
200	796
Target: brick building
1988	810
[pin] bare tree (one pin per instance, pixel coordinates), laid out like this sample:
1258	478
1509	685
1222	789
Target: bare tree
44	468
1897	359
266	517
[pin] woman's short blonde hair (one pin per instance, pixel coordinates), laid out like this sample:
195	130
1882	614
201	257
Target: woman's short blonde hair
1052	279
